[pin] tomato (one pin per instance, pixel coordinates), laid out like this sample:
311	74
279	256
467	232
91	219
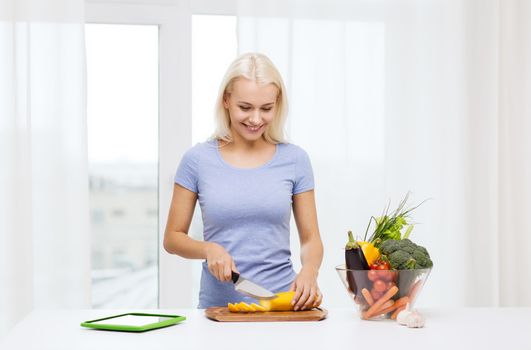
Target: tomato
393	276
372	275
387	275
382	271
379	286
389	285
380	265
375	294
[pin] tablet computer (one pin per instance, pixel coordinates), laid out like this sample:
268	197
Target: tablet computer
134	322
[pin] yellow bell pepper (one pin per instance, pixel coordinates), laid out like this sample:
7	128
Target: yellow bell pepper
281	303
370	252
242	306
233	307
258	307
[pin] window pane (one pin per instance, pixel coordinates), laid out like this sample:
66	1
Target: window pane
122	112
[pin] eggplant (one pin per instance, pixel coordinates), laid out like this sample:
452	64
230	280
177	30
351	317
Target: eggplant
355	260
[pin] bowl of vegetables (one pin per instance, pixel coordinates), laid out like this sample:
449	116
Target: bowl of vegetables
385	273
381	294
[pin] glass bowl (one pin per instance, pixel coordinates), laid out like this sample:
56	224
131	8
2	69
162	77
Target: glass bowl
380	293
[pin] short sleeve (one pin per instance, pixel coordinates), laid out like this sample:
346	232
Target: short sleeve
303	173
187	172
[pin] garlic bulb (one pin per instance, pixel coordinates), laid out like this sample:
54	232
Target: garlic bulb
410	318
402	316
415	320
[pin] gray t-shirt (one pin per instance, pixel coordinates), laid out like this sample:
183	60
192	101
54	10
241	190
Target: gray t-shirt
248	212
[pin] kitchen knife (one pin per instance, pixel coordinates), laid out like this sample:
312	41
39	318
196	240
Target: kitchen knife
251	289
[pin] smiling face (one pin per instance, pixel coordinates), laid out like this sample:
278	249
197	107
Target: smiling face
251	108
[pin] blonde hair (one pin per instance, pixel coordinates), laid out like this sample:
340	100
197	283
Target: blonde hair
256	67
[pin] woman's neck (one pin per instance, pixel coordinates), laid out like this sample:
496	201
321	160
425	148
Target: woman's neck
241	144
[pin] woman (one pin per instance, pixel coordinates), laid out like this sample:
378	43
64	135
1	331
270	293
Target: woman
247	179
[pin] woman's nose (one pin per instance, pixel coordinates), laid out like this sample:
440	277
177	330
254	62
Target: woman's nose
255	117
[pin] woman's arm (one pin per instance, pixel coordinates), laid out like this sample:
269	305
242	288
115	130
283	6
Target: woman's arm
177	241
307	293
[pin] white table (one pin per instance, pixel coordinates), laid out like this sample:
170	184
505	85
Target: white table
469	328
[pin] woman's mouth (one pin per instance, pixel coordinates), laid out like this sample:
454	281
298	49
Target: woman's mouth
253	128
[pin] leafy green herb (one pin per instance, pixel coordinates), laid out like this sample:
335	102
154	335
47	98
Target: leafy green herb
390	225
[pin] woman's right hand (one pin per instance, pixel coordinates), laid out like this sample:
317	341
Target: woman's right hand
220	263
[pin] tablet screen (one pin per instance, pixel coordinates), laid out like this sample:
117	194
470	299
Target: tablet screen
132	320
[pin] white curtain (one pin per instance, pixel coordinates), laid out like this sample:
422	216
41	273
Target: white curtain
428	96
44	237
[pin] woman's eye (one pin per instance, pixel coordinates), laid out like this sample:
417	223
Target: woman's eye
245	109
266	109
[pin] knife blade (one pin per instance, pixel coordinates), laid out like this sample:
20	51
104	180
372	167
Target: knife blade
251	289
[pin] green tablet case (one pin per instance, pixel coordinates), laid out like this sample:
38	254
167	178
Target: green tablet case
172	319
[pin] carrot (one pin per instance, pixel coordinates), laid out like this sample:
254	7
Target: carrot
394	315
388	304
367	296
378	304
397	304
414	290
413	287
402	301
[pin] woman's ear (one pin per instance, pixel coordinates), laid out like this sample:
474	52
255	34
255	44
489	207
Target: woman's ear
226	97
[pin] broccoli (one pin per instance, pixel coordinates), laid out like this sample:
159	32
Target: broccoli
401	260
422	259
389	246
405	255
424	250
407	246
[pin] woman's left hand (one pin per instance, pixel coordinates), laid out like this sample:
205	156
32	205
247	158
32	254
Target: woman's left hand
307	293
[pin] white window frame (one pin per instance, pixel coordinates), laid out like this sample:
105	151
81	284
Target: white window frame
175	124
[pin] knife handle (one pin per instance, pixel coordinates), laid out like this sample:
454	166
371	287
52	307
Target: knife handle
235	276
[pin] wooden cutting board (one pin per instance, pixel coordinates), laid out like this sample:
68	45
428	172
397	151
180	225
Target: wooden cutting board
222	314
